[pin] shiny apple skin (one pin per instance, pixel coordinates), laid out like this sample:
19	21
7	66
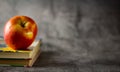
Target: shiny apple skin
20	32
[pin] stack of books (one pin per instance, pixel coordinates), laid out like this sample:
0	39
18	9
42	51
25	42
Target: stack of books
10	57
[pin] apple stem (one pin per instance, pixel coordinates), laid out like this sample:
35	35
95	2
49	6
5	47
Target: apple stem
23	24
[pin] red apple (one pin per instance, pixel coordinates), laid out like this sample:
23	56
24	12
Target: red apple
20	32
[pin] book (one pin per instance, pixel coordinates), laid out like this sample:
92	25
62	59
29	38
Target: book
7	52
19	62
10	57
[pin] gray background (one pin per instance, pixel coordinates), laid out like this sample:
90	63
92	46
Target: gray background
78	35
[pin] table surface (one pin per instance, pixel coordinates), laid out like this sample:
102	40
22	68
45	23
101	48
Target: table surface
58	59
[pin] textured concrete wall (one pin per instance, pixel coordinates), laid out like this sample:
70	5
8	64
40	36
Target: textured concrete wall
66	18
75	32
